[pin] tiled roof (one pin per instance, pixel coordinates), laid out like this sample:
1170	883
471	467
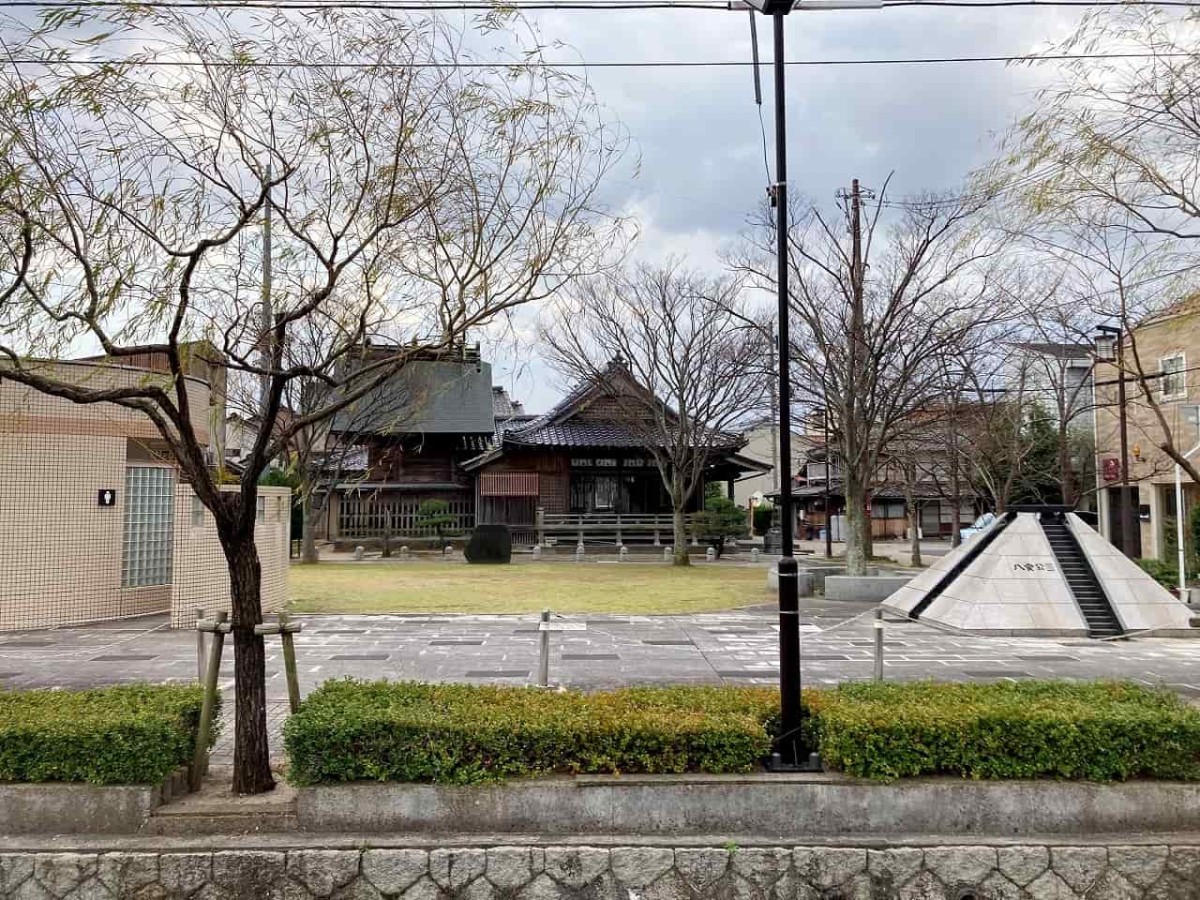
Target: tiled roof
573	433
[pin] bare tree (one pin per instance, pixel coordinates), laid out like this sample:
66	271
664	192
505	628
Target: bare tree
872	329
676	348
131	195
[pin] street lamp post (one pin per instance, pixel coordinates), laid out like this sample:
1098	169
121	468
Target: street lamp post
789	748
1110	348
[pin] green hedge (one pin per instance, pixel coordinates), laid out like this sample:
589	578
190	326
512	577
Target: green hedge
1099	731
129	734
462	734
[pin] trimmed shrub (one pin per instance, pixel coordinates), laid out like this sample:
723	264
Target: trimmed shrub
460	734
489	544
129	734
763	517
1165	573
1100	731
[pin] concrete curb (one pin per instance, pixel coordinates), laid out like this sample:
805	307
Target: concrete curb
791	806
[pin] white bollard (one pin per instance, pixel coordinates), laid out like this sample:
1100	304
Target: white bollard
755	553
710	555
668	553
579	551
537	551
622	553
404	552
358	552
449	551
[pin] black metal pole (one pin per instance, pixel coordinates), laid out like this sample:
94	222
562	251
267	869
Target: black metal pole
1124	510
828	464
789	607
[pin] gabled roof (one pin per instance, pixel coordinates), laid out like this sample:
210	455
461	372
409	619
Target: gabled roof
562	427
426	396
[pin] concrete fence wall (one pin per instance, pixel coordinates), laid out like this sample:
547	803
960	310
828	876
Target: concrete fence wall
1159	871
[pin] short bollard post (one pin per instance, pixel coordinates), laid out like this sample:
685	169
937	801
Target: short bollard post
287	629
219	628
200	661
579	551
668	553
879	645
544	658
755	553
537	551
358	553
622	553
448	552
710	555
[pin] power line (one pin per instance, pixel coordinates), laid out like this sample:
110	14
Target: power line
562	5
521	64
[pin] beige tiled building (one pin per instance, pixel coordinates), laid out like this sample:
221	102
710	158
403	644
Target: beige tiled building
1165	349
94	520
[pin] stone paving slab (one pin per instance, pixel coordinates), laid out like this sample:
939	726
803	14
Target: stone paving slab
737	648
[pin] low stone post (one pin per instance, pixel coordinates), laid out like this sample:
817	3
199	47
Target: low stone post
622	553
358	552
200	660
668	553
537	551
710	555
448	551
404	552
878	623
544	657
579	551
755	553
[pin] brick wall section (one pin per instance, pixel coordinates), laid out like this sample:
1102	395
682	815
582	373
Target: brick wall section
896	872
62	552
201	579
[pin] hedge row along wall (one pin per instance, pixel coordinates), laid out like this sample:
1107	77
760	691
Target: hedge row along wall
460	734
130	734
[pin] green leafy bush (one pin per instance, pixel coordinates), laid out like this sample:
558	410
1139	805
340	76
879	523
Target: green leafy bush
460	734
1099	731
129	734
1166	574
763	516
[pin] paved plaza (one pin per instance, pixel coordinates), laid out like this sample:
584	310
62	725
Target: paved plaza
731	648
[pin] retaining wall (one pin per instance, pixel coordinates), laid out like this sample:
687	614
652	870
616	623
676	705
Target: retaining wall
1158	871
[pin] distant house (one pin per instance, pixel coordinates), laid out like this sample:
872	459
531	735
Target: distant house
413	436
443	431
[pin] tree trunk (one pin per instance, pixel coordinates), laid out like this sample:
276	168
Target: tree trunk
251	754
857	544
1064	466
679	531
914	528
308	536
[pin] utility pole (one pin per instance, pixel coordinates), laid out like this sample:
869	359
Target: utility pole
828	466
789	747
267	321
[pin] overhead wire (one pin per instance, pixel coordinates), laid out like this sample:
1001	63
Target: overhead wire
567	64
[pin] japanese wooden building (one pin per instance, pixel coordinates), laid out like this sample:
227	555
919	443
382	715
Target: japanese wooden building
445	432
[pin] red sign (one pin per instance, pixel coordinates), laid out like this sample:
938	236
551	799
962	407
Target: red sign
1110	467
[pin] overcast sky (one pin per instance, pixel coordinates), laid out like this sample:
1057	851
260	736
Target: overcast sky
698	135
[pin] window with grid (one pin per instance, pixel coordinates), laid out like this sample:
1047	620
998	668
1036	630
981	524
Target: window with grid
148	541
1174	377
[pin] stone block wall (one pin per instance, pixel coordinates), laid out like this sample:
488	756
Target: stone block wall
1010	872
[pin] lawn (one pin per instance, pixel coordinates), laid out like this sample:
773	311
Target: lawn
437	587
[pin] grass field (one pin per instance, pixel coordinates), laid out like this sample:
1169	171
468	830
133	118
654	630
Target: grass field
429	587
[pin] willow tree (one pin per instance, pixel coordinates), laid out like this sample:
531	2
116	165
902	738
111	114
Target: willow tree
133	192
